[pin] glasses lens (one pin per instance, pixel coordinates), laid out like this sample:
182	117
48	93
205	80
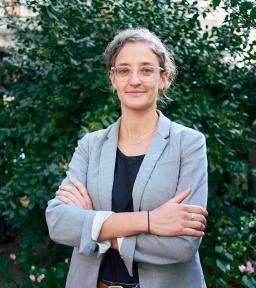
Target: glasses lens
123	73
145	73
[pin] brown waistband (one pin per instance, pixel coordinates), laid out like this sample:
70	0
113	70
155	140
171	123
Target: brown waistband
102	285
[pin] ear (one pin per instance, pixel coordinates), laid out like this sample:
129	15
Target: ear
111	76
164	79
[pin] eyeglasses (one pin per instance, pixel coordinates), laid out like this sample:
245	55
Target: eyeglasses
145	73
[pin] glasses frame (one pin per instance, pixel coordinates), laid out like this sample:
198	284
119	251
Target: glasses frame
114	69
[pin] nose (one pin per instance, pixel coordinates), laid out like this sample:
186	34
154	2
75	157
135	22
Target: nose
134	79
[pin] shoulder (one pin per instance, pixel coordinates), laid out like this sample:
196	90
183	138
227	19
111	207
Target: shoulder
188	140
186	134
95	136
179	132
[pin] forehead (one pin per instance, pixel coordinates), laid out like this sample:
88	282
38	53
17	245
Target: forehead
136	53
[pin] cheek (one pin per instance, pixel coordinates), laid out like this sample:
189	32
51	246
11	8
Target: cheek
120	87
155	87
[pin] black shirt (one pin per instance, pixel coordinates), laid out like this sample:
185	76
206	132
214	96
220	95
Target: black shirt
126	169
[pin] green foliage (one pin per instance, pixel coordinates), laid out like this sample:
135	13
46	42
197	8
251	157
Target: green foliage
56	89
34	276
242	12
234	241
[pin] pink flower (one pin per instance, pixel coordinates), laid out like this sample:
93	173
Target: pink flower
32	277
12	256
249	267
242	268
40	278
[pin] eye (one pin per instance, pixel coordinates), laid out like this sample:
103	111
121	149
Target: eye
147	71
123	71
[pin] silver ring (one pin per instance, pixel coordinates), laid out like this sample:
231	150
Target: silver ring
192	216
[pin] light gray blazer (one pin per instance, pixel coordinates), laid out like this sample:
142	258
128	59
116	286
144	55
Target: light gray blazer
175	160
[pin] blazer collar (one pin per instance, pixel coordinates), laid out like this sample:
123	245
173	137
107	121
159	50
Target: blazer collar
108	159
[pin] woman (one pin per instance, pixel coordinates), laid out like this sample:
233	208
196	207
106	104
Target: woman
133	202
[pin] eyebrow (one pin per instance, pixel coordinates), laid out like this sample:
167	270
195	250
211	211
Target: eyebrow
142	64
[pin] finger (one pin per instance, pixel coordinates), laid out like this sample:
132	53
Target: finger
83	192
195	209
70	196
195	225
196	217
75	196
192	232
66	188
79	186
73	191
181	196
88	204
65	200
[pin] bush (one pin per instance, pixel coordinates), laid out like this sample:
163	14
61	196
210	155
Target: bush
56	90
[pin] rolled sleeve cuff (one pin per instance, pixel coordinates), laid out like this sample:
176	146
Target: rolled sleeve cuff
98	221
119	243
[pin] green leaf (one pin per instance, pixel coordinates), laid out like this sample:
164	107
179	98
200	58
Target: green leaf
253	13
233	2
245	6
229	256
219	249
221	266
59	273
216	3
247	282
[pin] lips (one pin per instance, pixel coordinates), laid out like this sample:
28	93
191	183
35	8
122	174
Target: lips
135	92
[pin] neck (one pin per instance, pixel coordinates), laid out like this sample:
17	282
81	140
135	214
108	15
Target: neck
135	124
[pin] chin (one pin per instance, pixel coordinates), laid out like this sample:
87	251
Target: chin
138	106
138	103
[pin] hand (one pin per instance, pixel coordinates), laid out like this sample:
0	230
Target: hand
176	219
76	195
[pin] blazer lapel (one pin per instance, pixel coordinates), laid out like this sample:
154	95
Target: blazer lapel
107	167
155	149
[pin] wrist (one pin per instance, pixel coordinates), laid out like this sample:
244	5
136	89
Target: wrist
151	222
142	224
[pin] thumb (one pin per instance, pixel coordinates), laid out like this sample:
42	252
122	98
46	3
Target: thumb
181	196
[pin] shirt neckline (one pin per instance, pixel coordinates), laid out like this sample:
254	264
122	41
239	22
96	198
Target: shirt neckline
130	157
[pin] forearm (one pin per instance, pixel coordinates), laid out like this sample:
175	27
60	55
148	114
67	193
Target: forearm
123	225
164	250
67	224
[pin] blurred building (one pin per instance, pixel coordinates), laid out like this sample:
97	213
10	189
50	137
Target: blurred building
215	18
7	7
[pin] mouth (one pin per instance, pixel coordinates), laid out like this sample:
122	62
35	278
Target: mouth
135	92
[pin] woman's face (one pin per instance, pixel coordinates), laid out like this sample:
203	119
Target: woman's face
136	92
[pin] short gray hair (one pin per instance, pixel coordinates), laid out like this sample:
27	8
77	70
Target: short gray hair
166	60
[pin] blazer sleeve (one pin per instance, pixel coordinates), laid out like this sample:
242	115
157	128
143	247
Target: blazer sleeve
169	250
68	224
